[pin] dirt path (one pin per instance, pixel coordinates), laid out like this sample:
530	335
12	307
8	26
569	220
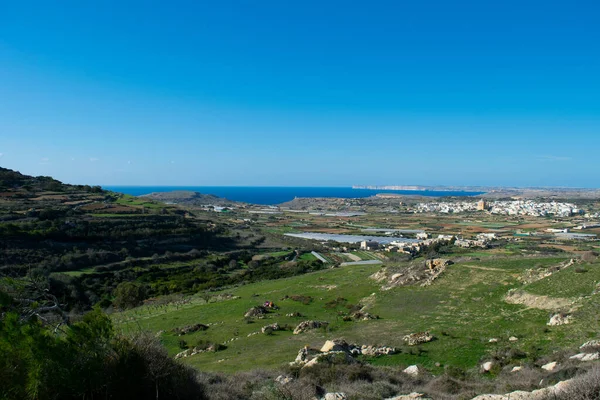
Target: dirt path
485	268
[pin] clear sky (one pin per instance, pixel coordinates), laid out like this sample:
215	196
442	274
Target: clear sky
302	93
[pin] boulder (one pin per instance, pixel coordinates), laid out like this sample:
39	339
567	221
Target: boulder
550	366
412	370
516	369
493	340
513	339
418	338
308	325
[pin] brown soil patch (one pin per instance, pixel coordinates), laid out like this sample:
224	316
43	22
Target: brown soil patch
539	302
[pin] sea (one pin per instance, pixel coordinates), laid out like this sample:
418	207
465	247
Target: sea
272	195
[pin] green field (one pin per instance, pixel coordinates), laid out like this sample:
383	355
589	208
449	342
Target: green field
463	309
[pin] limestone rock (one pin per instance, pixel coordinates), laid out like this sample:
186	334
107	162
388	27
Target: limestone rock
283	379
590	344
437	263
418	338
411	396
308	325
493	340
550	366
412	370
272	328
516	369
513	339
190	329
559	319
487	366
256	312
334	345
376	351
586	356
335	396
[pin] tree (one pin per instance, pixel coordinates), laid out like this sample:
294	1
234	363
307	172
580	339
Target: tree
129	294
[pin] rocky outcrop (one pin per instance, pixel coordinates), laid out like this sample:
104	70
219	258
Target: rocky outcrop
423	273
586	357
308	325
336	351
256	312
270	328
196	350
592	344
410	396
335	396
540	394
559	319
437	263
418	338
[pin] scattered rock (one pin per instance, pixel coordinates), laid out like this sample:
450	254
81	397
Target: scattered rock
516	369
412	370
513	339
550	366
493	340
308	325
559	319
487	366
418	338
586	356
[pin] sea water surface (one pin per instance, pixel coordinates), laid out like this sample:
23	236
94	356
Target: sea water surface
271	195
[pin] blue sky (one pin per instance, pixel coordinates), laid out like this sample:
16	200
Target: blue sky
311	93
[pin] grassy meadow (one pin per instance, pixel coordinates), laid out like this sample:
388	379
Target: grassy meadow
463	308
